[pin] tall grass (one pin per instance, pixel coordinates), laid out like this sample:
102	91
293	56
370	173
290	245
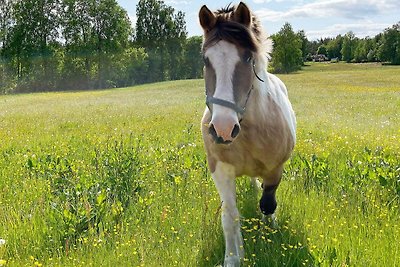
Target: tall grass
119	177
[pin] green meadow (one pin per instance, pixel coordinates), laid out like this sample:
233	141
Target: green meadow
119	177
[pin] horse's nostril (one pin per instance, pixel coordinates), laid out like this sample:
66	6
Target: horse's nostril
235	131
213	132
219	139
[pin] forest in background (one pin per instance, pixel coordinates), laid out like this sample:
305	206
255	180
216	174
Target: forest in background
50	45
53	45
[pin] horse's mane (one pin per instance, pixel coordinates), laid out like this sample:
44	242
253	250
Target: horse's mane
229	30
227	9
232	32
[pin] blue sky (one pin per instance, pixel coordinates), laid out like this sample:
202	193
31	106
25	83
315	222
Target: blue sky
317	18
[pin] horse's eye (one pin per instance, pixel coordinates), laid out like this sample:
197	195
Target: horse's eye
248	57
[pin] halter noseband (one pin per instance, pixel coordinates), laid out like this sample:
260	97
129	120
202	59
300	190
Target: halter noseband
221	102
225	103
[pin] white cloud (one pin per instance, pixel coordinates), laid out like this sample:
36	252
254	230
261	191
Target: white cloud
359	29
351	9
270	15
262	1
269	1
177	2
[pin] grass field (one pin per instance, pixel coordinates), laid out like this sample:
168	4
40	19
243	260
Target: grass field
119	178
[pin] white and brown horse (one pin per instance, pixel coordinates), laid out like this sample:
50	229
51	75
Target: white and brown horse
248	127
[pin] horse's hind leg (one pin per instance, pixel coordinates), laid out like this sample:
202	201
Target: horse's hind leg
268	200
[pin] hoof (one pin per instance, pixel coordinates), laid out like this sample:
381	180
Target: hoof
268	204
232	261
270	220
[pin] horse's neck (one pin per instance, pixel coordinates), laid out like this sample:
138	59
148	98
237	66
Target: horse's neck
261	81
271	91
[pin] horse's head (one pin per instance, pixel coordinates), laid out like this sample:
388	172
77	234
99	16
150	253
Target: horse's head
229	49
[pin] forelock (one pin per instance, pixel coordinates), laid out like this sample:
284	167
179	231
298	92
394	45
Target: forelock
231	31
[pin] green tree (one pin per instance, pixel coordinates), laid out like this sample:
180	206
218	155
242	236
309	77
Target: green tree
287	54
96	34
133	63
162	32
373	46
304	44
193	63
312	47
6	73
112	30
32	43
361	50
69	44
348	47
5	20
79	66
175	47
334	47
322	50
389	49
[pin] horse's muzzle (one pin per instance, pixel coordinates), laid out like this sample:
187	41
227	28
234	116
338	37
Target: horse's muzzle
219	139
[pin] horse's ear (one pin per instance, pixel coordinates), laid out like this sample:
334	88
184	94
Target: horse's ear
207	19
242	14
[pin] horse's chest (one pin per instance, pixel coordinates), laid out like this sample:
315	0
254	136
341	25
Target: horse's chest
250	158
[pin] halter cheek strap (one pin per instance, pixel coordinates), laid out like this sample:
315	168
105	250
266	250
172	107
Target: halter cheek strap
255	73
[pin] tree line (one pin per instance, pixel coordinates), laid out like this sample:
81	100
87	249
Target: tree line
384	47
292	49
49	45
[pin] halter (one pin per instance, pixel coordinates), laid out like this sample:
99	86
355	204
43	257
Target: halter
239	110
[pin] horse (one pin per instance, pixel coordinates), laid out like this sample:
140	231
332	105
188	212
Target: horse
248	126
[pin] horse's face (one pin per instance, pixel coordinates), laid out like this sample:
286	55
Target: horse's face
228	77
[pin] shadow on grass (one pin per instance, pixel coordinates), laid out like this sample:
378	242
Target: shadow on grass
264	246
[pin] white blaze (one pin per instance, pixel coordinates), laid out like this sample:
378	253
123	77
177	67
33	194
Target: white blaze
223	56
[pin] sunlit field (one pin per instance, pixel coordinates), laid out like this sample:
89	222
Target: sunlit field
119	177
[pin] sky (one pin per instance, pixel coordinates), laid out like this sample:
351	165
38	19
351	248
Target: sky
319	19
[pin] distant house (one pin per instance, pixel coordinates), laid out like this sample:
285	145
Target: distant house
319	58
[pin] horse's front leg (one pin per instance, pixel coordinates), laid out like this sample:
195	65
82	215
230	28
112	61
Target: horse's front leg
224	178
